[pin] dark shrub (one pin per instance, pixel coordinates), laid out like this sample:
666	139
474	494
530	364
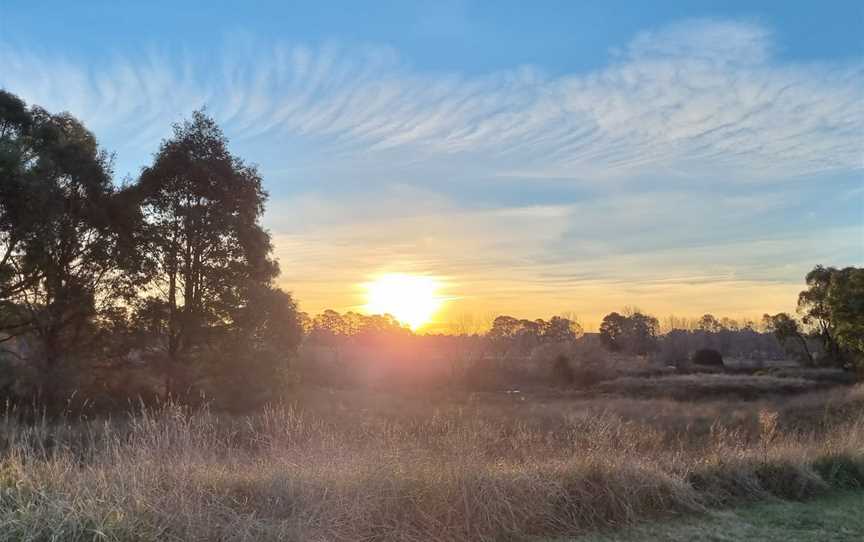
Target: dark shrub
708	357
562	373
786	480
840	471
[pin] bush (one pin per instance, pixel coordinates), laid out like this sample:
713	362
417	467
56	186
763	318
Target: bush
562	373
789	480
708	357
841	471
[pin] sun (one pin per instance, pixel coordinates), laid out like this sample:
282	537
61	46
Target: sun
411	299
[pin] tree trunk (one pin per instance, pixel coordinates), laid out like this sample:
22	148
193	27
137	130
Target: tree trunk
806	350
172	328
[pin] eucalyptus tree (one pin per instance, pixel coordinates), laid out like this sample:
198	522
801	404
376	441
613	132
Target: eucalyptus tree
207	249
63	234
785	327
833	307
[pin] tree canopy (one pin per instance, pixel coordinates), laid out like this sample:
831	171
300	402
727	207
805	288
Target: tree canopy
65	258
635	334
207	251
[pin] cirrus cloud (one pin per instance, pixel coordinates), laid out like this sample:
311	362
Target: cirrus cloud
700	98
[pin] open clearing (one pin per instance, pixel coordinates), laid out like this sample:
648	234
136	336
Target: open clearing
830	519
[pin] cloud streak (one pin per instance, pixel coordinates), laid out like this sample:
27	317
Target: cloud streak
698	99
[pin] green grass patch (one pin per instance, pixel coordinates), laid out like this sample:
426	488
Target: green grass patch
837	518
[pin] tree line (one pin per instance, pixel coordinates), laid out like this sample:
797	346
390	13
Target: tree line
828	330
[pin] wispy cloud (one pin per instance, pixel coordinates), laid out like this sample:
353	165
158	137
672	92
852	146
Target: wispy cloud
698	99
688	145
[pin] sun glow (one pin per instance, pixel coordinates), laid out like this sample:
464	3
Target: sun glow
411	299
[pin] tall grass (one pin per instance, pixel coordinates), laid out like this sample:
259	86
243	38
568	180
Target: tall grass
355	468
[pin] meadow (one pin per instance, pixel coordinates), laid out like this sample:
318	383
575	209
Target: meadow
341	464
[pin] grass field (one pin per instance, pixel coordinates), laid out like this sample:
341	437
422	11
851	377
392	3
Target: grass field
352	465
837	518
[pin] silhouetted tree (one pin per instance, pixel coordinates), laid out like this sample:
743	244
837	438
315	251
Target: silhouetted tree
508	334
202	208
18	199
612	331
640	332
561	330
63	233
709	323
784	327
503	333
636	334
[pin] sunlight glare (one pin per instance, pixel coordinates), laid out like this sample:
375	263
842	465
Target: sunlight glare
411	299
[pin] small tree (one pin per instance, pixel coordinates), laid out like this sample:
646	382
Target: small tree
64	235
813	303
786	328
709	323
636	333
561	330
640	333
612	331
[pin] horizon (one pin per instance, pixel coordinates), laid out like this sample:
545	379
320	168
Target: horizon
695	159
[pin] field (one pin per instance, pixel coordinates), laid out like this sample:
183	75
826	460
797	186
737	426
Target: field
360	465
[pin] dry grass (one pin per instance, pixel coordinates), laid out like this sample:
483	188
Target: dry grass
695	387
353	466
835	376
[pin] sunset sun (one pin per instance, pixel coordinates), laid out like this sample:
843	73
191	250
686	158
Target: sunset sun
411	299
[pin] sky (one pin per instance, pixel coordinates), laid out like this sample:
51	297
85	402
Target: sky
535	158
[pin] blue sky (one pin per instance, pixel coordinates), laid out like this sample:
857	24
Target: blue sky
537	157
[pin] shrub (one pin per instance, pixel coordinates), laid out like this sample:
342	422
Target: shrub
562	373
788	480
841	471
708	357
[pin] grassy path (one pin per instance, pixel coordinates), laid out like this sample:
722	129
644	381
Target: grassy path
832	519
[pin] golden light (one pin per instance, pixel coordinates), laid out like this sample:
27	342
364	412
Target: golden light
411	299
